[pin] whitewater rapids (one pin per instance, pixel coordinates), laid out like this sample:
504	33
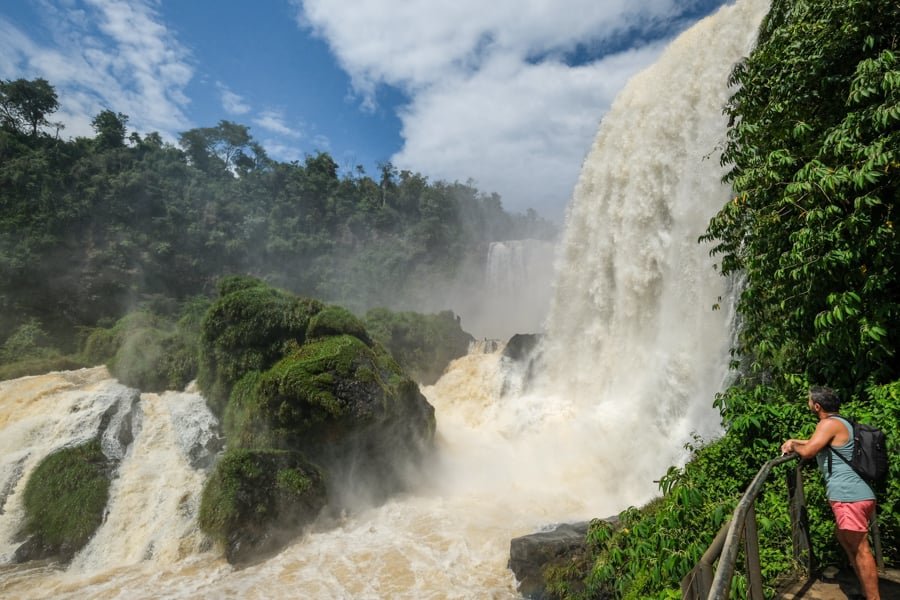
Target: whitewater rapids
632	358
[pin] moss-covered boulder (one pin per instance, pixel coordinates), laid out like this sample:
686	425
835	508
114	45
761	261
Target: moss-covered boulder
64	502
331	398
422	344
252	490
296	380
249	328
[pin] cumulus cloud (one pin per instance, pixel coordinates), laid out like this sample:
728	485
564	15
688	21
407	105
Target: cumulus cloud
105	54
232	103
274	121
494	92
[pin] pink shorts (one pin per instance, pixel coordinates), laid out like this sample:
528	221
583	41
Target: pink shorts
853	516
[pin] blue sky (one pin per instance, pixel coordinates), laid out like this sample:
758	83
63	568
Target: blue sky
506	93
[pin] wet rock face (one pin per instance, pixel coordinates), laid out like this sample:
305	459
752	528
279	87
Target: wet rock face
521	345
530	555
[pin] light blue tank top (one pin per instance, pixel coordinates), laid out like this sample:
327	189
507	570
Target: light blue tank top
843	484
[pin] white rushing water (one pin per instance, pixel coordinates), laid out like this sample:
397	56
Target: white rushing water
632	358
517	287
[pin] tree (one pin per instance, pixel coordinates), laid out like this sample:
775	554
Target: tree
26	104
813	153
110	128
227	145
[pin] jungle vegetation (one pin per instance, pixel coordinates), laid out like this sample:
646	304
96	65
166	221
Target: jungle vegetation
813	153
92	228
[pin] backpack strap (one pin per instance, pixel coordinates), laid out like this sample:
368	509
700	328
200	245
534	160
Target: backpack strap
834	452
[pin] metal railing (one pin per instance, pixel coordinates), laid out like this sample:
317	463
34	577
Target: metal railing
702	583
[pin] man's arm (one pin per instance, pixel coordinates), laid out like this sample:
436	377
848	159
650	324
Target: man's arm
821	437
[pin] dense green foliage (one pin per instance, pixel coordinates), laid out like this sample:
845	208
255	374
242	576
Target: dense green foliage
423	344
65	498
90	228
248	328
149	349
250	489
813	155
295	380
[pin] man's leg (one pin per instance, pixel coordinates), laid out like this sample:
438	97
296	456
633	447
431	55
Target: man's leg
856	545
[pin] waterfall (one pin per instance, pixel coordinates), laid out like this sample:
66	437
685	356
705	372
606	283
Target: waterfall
39	415
632	356
506	291
631	335
517	285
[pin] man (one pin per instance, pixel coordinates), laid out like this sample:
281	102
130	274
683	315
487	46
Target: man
852	500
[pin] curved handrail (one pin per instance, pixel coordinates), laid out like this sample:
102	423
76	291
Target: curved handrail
701	583
722	579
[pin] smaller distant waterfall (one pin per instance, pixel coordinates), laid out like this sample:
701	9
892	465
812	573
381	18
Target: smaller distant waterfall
517	287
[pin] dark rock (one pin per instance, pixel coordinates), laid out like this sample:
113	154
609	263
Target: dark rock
522	358
118	424
521	345
530	555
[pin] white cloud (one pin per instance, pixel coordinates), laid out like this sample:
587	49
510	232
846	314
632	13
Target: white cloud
490	95
112	54
282	152
519	130
274	121
232	103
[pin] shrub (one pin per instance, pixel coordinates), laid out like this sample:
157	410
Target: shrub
251	491
423	345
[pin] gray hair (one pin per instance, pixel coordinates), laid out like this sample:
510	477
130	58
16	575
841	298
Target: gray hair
825	397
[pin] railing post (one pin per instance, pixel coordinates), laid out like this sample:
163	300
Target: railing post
751	550
696	584
803	553
743	516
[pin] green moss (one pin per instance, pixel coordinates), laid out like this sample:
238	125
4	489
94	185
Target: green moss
253	491
422	344
292	481
336	320
244	424
326	387
65	497
235	283
248	329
